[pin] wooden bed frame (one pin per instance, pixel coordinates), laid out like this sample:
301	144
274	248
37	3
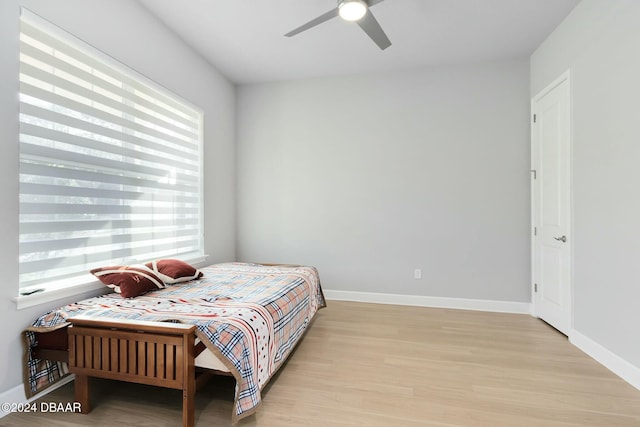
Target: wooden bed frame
153	353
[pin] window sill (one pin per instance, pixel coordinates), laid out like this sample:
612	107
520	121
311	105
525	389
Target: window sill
49	295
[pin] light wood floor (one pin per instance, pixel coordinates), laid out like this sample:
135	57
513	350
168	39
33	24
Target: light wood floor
377	365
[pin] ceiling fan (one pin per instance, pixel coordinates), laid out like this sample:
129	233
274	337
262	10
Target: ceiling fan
356	11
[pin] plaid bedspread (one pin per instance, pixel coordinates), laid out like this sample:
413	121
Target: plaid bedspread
252	315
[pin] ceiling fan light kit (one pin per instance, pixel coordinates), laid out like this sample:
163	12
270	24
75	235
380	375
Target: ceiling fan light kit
357	11
352	10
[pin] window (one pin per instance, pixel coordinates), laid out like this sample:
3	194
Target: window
110	163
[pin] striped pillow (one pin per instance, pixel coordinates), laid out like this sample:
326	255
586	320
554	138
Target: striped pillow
174	270
129	281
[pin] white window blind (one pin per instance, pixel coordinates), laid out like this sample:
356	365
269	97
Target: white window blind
110	163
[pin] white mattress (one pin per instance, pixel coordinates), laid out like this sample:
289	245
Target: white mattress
208	360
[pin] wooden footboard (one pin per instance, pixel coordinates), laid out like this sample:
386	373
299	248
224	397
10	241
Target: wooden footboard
153	353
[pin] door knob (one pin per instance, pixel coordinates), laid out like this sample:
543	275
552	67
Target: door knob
561	239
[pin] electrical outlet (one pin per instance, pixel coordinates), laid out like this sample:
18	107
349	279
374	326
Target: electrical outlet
417	274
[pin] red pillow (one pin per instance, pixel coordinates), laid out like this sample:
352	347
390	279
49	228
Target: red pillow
129	280
174	271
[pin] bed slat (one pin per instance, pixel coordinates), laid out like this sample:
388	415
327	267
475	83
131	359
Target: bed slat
88	348
113	357
160	365
142	359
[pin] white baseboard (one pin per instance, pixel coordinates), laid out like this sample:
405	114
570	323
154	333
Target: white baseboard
424	301
16	394
605	357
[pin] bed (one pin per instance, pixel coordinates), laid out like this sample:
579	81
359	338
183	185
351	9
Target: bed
238	318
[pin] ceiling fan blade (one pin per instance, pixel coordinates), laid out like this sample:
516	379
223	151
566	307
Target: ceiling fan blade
374	2
370	26
319	20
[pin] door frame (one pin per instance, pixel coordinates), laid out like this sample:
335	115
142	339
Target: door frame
566	76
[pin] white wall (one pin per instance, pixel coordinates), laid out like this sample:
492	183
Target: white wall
368	177
600	42
124	30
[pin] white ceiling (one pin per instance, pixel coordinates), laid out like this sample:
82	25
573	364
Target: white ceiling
244	39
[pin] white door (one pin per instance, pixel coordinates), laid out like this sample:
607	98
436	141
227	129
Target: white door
551	204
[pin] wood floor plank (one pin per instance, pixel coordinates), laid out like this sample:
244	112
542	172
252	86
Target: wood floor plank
384	365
